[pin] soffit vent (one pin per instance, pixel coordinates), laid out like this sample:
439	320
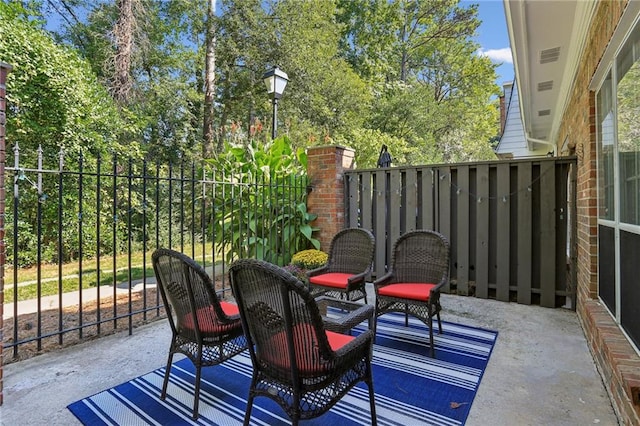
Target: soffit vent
549	55
545	85
544	112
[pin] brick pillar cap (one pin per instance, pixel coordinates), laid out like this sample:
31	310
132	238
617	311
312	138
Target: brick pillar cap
329	146
5	65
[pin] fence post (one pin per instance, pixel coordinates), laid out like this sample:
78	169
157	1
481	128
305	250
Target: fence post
325	167
4	70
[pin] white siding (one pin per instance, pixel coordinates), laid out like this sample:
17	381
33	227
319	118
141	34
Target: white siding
513	141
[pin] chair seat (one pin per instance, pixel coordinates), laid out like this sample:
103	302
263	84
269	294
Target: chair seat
332	279
206	320
304	336
413	291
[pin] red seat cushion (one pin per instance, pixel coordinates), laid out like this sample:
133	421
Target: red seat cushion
307	356
332	279
412	291
208	322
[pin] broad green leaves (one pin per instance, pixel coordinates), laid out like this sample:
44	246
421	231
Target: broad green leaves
261	205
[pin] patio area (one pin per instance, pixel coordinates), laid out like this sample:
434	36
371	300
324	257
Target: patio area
540	372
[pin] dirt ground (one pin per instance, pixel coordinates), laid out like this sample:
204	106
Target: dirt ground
27	324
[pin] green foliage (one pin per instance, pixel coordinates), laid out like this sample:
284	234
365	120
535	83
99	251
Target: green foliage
310	259
399	70
272	182
53	97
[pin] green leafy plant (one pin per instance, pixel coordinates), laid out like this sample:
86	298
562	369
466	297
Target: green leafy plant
261	209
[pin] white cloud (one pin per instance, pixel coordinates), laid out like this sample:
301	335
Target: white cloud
498	55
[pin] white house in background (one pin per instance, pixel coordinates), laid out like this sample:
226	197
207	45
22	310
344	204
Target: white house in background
513	142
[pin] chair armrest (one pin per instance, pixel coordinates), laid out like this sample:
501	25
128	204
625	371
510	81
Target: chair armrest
355	313
358	277
434	293
317	271
362	341
383	280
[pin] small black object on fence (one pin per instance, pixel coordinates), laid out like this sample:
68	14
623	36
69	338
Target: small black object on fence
384	159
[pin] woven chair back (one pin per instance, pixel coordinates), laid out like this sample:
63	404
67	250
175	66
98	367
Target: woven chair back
281	320
351	251
189	295
420	256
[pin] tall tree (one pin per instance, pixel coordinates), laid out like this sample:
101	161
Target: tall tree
209	82
369	38
428	80
123	38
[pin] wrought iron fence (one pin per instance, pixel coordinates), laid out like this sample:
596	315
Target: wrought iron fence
80	238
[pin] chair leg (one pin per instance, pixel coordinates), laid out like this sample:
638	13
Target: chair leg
247	413
431	336
167	372
406	315
196	397
372	402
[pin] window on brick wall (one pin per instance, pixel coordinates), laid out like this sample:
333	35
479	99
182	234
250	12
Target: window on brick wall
618	139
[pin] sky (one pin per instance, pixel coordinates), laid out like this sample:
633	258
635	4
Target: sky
493	37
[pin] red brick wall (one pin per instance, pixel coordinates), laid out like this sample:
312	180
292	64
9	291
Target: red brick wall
4	70
325	167
615	358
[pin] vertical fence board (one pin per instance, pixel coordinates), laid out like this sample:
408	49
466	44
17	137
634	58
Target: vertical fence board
502	232
411	191
482	232
354	200
524	225
443	215
427	199
463	217
394	209
380	230
563	224
547	235
365	195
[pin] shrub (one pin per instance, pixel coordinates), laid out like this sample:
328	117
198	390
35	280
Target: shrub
297	272
309	259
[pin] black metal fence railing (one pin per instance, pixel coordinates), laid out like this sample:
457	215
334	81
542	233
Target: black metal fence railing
79	239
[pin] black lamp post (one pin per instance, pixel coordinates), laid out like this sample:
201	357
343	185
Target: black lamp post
275	79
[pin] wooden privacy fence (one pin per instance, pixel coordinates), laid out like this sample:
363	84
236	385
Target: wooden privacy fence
511	224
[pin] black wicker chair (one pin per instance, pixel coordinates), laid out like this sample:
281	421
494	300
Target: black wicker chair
350	258
205	329
297	363
419	269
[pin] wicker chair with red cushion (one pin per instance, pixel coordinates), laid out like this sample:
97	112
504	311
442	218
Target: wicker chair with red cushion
419	269
204	328
350	258
297	363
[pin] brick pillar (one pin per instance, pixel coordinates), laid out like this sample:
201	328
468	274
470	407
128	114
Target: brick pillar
325	167
4	70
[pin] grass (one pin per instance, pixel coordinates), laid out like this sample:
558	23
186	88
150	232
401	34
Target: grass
69	280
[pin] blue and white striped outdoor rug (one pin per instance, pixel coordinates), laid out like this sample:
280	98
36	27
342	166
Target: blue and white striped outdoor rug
411	388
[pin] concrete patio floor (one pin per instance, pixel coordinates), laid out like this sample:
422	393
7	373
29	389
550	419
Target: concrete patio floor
540	372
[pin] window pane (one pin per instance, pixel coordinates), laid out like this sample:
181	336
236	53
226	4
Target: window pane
605	150
628	99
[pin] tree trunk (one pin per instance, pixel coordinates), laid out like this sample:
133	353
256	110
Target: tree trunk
123	33
209	82
403	43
